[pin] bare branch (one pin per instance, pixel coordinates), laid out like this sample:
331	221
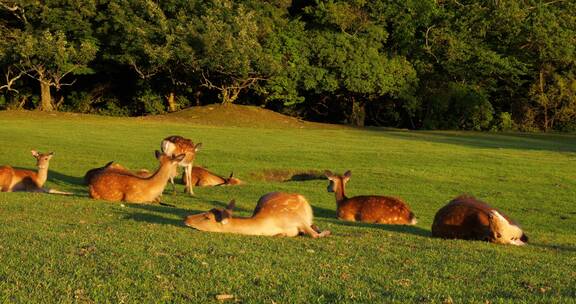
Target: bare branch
140	72
11	79
17	11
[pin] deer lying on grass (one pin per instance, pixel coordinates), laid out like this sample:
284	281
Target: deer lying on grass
113	167
176	145
276	214
369	209
111	185
204	178
467	218
12	180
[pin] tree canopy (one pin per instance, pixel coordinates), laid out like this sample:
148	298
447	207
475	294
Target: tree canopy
421	64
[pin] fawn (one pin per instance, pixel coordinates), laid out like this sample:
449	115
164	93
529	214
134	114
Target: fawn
370	209
467	218
12	179
276	214
113	167
176	145
204	178
118	186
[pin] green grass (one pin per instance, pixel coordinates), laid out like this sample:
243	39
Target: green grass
74	249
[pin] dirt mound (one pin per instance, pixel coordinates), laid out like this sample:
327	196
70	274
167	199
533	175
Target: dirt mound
287	175
238	116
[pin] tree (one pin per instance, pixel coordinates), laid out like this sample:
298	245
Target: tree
43	50
230	51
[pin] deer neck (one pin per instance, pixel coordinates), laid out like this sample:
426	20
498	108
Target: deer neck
162	175
340	193
246	225
42	175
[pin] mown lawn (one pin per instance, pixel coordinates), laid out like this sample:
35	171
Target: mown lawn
57	249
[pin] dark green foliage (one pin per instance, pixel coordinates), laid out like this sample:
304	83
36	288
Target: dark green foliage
414	64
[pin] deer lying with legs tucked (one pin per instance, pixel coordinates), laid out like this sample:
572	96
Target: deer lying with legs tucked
176	145
12	180
113	167
276	214
118	186
204	178
467	218
369	209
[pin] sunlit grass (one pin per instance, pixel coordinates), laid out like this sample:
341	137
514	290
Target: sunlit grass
73	249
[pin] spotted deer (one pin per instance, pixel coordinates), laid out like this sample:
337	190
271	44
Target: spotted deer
12	180
276	214
468	218
368	208
113	167
118	186
176	145
204	178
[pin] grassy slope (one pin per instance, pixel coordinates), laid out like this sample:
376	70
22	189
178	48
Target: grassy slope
73	249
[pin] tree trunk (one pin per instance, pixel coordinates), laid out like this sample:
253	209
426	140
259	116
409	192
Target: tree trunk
45	96
171	102
358	115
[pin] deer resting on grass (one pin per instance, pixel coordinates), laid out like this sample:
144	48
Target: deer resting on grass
12	179
113	167
368	208
467	218
204	178
276	214
118	186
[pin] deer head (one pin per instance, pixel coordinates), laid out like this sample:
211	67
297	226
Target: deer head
504	232
213	220
42	159
337	182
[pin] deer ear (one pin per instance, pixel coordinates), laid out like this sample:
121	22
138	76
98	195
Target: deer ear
34	153
347	174
157	154
231	205
328	173
231	174
197	147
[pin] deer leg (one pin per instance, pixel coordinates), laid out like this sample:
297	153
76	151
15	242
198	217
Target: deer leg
312	232
189	186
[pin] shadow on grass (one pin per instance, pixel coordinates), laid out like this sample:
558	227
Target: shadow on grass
150	214
520	141
554	247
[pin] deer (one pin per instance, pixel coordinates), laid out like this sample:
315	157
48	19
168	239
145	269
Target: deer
204	178
175	145
468	218
12	180
118	186
276	214
368	208
113	167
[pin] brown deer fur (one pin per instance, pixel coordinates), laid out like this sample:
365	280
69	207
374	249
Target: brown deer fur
204	178
467	218
26	180
276	214
176	145
370	209
113	167
118	186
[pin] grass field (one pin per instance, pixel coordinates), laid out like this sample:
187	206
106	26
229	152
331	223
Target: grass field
77	250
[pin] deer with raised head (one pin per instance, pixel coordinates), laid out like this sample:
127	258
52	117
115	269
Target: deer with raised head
204	178
176	145
276	214
468	218
12	179
119	186
368	208
113	167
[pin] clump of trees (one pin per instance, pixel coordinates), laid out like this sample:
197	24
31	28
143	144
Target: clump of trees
474	65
